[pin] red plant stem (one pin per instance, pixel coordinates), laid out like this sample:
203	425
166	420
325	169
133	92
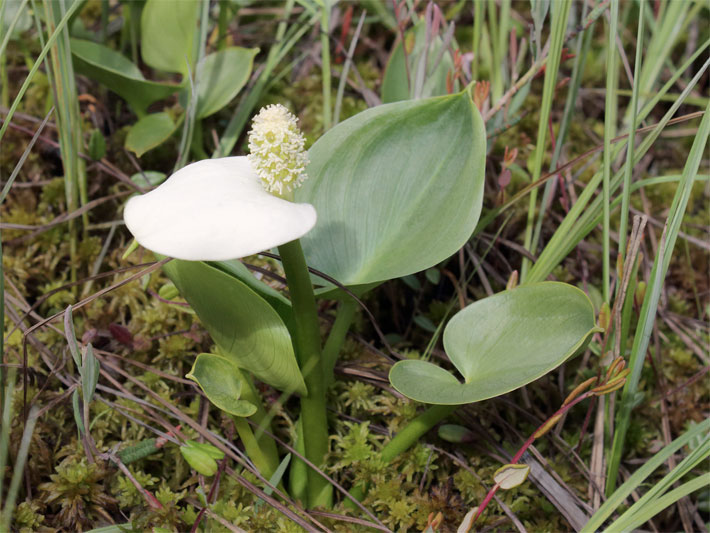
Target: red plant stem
562	410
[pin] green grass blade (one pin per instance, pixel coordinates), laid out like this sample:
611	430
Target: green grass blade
2	349
697	456
283	43
325	62
38	62
628	167
577	223
658	505
653	292
610	106
560	13
191	121
346	70
663	39
618	497
479	11
6	421
584	40
498	30
66	102
23	158
647	182
656	499
18	469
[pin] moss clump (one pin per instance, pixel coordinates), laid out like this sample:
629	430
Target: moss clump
77	495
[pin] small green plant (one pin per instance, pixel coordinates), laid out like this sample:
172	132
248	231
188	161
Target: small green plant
240	206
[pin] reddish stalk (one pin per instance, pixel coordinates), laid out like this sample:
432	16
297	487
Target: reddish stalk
559	413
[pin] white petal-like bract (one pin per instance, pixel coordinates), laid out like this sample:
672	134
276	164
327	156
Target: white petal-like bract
214	210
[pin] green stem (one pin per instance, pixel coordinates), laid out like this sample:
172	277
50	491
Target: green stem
263	420
255	449
197	142
222	23
308	352
478	14
406	438
415	430
336	338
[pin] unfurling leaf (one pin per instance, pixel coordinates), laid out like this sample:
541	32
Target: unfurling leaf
201	457
199	460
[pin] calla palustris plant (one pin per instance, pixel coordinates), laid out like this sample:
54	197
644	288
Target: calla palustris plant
397	189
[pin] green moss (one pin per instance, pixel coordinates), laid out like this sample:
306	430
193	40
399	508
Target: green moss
75	492
126	492
27	517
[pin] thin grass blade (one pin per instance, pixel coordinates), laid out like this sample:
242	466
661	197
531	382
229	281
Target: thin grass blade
560	14
653	292
618	497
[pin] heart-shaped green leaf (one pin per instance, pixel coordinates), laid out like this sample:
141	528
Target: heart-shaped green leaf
501	343
167	33
149	132
116	72
397	86
221	381
244	326
220	76
398	188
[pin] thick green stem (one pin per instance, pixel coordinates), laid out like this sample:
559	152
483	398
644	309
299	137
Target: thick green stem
263	420
308	351
336	338
406	438
197	142
254	448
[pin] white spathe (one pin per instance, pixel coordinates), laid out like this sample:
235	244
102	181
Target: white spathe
214	210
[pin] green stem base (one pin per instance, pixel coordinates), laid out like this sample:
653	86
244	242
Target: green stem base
259	455
266	445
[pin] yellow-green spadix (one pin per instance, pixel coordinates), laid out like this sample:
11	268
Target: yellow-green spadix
214	210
